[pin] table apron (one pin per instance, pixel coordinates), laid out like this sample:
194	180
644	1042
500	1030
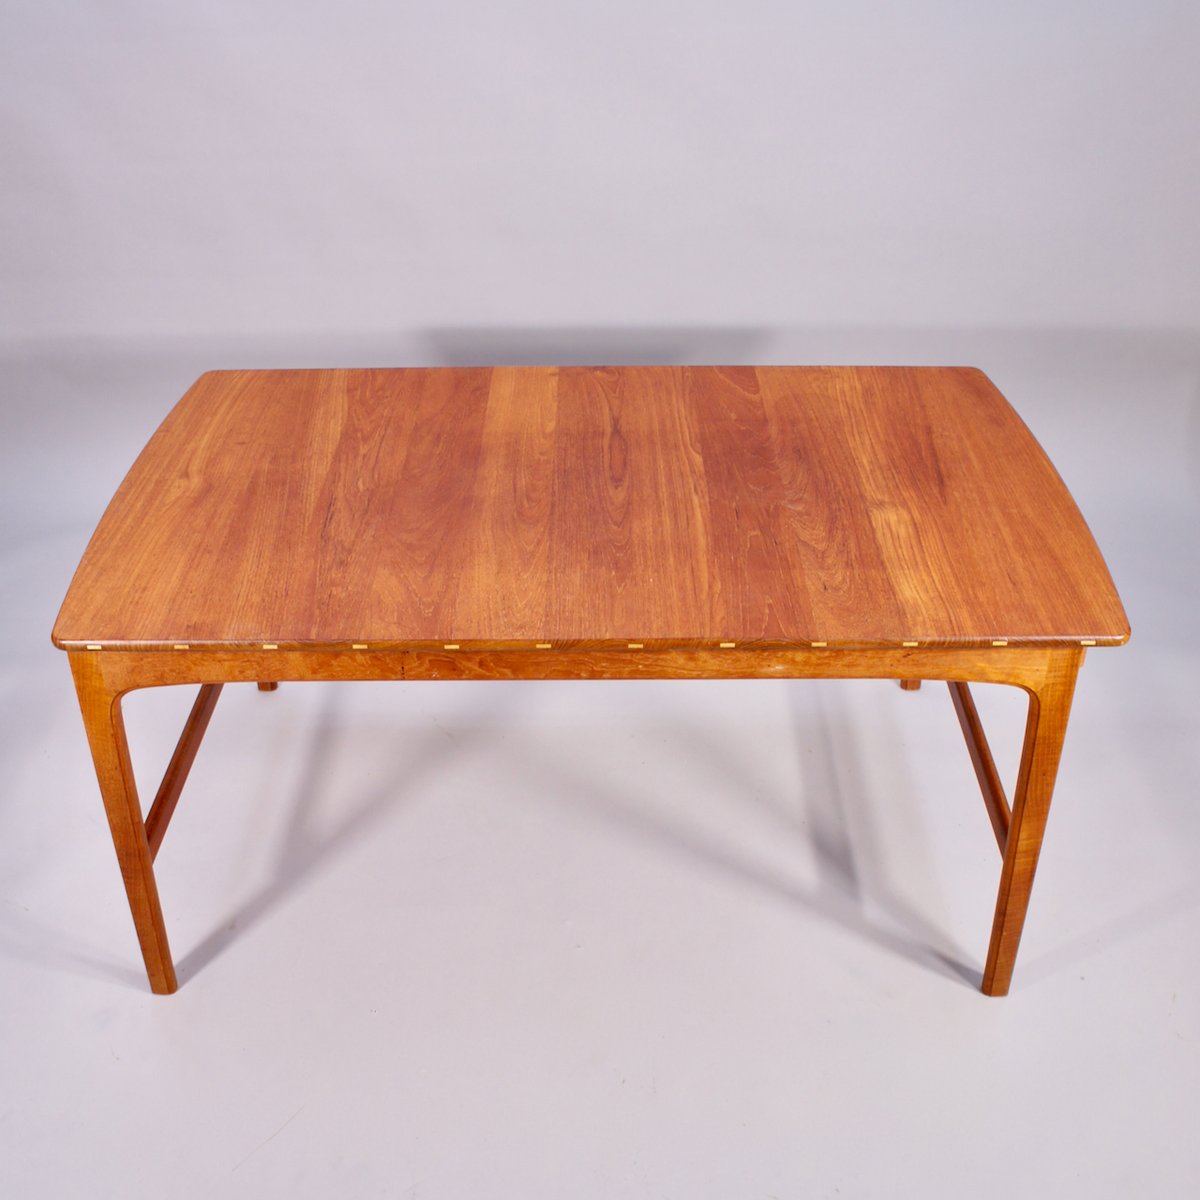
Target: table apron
1025	667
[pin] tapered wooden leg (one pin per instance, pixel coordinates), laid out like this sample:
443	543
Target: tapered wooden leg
105	727
266	686
1045	728
163	808
910	685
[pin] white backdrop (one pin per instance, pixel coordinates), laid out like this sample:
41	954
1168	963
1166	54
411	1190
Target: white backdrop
578	939
289	168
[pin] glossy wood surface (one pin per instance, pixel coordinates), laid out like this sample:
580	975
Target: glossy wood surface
607	508
104	723
536	523
1045	730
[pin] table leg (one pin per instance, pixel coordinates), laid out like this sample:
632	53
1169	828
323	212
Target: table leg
101	708
1045	728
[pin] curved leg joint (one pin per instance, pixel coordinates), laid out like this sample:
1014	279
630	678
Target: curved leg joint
101	708
1045	728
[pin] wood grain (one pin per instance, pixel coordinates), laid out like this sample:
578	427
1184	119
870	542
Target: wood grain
515	507
127	671
589	523
105	726
1045	729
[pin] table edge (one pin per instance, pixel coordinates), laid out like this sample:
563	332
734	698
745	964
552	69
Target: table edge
1084	638
585	645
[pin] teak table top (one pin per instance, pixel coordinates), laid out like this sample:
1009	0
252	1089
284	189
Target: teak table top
506	508
589	523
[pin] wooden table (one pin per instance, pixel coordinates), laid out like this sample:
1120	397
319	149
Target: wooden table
589	523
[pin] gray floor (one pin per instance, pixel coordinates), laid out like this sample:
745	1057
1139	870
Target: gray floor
623	939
